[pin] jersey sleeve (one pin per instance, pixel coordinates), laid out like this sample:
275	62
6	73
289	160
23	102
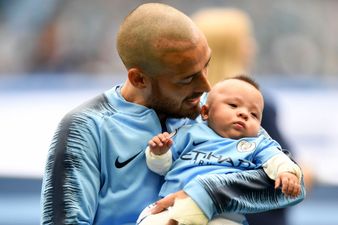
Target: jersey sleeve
159	164
72	178
243	192
279	164
266	149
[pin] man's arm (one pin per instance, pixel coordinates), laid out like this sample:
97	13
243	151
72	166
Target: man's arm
71	180
244	192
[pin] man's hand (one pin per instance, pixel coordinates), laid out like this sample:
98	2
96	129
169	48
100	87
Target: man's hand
168	201
184	210
160	144
290	184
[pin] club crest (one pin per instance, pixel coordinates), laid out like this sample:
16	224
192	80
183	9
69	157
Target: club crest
245	146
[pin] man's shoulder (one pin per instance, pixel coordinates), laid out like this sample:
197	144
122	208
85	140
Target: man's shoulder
92	110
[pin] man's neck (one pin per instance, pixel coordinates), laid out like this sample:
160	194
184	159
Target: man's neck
132	94
163	119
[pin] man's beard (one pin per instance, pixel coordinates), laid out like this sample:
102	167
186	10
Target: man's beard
170	108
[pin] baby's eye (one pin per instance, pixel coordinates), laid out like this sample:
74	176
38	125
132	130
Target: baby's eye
254	115
232	105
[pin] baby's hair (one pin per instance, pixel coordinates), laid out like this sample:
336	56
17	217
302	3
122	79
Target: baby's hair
247	79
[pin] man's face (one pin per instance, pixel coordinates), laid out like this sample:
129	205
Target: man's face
177	90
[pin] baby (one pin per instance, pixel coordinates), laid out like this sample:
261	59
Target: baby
229	140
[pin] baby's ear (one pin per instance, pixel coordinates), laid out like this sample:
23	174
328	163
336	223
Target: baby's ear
205	112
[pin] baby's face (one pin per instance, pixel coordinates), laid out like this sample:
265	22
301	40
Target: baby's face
235	109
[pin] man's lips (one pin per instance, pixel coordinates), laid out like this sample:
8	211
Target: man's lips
193	101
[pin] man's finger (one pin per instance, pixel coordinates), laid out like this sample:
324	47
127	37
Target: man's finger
157	209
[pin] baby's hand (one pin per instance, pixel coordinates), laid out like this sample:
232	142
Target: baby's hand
160	144
290	184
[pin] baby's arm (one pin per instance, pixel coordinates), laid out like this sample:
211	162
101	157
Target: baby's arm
158	156
286	174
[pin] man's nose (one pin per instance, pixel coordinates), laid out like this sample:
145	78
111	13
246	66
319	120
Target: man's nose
203	84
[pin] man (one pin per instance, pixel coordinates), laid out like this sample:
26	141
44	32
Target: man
96	161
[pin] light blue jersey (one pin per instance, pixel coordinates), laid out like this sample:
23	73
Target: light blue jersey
198	150
96	163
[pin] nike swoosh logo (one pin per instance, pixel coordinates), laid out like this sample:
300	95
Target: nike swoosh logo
195	143
119	165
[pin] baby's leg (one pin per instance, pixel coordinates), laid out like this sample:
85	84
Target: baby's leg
186	211
228	219
146	218
158	219
222	221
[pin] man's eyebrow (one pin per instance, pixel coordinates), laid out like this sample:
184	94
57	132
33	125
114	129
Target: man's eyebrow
206	64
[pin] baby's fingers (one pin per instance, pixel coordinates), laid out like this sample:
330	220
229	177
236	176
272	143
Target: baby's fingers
163	138
291	187
155	142
277	182
296	190
287	186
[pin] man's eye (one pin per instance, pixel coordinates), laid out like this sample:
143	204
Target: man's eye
186	80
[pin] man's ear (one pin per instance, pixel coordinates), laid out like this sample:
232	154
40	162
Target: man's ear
205	112
137	78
